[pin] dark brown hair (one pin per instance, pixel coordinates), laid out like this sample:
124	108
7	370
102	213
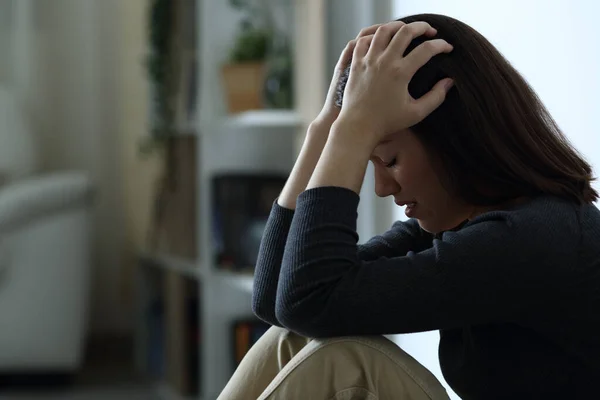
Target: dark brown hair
492	139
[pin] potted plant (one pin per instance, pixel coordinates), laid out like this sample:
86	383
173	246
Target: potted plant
244	74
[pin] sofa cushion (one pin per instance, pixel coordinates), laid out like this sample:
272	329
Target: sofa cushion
42	196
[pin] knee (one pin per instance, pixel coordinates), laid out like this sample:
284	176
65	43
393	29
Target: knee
369	344
282	340
279	335
378	358
376	354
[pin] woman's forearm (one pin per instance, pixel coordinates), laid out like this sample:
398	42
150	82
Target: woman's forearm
274	238
316	137
344	159
268	264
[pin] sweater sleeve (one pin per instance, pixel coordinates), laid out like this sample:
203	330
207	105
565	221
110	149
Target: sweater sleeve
268	263
401	238
479	274
404	236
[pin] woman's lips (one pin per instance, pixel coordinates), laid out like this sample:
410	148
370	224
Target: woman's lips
410	210
411	207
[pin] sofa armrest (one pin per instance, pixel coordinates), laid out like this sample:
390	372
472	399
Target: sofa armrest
32	198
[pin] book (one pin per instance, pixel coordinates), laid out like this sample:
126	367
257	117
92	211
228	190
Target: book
245	334
242	204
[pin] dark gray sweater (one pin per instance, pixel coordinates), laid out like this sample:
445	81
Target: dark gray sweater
514	293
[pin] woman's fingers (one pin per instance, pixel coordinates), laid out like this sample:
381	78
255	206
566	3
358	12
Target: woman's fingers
405	35
348	51
384	35
368	31
419	56
431	100
362	46
346	56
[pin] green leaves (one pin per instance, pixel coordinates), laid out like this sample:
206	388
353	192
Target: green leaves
239	4
159	69
252	44
254	36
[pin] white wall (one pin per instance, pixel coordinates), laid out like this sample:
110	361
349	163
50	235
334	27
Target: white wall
554	44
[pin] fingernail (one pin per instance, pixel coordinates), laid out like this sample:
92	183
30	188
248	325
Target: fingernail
448	85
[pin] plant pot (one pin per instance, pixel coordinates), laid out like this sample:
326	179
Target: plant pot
244	85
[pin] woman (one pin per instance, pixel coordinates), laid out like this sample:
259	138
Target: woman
500	252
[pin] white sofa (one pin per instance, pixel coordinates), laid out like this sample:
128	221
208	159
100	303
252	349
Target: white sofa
45	237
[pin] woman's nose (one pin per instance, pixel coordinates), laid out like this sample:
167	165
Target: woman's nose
385	185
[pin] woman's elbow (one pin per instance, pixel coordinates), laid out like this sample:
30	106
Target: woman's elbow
302	319
295	323
264	310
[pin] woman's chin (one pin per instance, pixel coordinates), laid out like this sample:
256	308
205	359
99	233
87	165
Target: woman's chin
427	226
435	227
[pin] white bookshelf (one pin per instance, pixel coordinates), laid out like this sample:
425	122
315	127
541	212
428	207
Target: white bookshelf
240	281
252	141
193	270
264	119
257	119
187	268
166	392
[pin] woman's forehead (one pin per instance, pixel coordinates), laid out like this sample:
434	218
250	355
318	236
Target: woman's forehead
395	139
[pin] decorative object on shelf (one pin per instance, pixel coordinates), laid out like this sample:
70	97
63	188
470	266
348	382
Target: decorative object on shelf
241	203
244	74
245	333
171	69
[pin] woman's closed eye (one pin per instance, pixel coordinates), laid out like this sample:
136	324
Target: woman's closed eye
391	163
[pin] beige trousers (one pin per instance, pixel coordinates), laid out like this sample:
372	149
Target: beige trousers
283	365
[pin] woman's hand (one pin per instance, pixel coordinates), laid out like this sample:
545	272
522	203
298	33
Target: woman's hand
376	101
330	111
318	131
376	98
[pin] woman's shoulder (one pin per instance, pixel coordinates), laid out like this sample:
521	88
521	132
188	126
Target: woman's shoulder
546	220
552	211
544	233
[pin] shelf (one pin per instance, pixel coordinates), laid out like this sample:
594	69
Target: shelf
257	141
166	392
242	281
189	268
261	119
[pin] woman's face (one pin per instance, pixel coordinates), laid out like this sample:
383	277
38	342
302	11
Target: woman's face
403	170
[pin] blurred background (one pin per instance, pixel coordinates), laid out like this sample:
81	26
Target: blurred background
142	143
